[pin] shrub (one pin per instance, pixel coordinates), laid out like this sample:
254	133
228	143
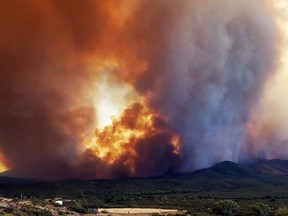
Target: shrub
43	213
37	201
260	209
224	207
77	207
282	211
8	210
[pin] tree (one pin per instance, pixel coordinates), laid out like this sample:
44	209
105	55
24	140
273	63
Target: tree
225	207
260	209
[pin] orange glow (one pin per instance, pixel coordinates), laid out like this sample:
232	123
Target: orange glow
114	140
110	99
120	138
176	144
3	166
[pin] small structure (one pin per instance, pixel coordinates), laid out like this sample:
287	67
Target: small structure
59	202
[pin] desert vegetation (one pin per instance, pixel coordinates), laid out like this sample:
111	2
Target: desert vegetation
225	207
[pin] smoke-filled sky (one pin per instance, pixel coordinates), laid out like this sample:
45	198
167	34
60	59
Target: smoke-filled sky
112	89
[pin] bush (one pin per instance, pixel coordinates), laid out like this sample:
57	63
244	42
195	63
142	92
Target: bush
77	207
43	213
37	201
282	211
224	207
260	209
8	210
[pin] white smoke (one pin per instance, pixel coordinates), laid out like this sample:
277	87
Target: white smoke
219	54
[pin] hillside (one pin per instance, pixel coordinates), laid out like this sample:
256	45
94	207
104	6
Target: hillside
261	180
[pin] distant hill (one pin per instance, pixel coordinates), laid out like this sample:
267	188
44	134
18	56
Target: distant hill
259	170
226	178
15	181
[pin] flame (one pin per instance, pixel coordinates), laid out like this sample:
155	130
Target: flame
114	140
118	140
3	166
176	144
110	95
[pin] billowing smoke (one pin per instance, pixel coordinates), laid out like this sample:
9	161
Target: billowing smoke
219	56
110	89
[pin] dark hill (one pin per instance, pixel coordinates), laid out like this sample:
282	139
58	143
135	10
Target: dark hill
225	179
15	181
227	168
260	169
271	167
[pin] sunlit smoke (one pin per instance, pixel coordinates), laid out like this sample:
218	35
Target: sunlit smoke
268	128
111	100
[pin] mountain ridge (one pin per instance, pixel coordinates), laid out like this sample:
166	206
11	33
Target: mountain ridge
224	179
261	169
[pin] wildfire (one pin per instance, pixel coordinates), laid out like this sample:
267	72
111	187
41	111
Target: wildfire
119	140
176	144
3	166
90	89
123	117
111	102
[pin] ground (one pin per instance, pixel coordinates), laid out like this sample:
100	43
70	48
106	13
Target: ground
9	206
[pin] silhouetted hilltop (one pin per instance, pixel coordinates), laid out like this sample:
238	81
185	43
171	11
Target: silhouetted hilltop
257	178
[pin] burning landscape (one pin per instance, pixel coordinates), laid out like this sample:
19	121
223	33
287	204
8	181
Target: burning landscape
110	89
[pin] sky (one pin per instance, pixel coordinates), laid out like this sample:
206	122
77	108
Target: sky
116	89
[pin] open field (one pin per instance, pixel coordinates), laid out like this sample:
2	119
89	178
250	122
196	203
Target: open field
139	210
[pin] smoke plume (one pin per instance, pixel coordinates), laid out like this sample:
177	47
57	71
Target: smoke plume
111	89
